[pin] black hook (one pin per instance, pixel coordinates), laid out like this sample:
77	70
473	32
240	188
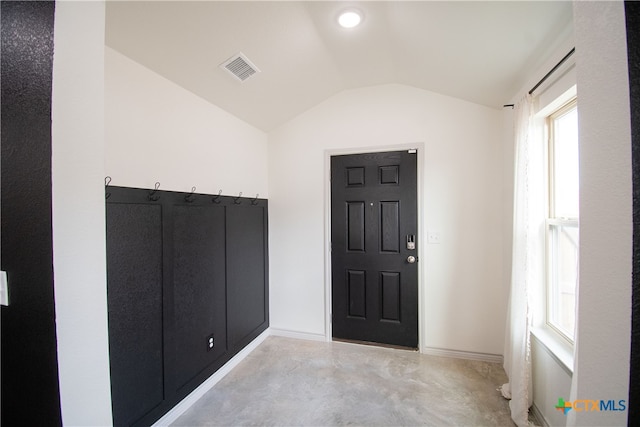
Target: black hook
189	197
107	181
152	194
214	199
255	201
237	200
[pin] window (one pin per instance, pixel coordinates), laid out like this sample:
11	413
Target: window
562	223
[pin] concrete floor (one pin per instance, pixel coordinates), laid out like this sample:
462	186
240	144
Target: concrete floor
288	382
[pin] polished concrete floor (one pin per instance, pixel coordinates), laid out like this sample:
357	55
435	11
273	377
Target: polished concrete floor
288	382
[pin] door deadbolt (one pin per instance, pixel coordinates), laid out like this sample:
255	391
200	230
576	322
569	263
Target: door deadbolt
411	242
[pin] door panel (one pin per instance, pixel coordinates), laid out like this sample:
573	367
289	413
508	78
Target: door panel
355	226
373	210
390	227
390	287
356	282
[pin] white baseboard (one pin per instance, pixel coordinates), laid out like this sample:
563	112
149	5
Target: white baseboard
539	416
483	357
298	335
196	394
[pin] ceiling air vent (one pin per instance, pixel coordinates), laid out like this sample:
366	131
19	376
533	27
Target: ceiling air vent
240	67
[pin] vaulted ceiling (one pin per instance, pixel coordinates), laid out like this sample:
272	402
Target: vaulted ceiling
478	51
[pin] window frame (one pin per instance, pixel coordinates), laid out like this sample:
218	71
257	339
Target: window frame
551	221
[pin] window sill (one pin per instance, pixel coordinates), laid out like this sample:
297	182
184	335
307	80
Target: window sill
557	348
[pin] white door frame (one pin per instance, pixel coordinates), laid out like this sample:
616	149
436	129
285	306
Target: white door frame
420	146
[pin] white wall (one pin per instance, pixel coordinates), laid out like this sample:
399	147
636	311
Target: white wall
157	131
551	380
508	160
604	301
463	287
78	213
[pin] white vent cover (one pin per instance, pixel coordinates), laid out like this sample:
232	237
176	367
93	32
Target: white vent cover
240	67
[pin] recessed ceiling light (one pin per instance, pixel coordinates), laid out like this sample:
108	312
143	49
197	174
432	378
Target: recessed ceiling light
350	18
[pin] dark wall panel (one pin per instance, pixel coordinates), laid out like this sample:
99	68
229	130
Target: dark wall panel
632	12
134	293
30	394
247	298
182	269
199	288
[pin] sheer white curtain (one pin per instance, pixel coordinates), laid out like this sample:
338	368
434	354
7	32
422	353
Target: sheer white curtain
526	270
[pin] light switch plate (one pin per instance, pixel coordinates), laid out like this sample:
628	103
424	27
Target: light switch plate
4	289
433	237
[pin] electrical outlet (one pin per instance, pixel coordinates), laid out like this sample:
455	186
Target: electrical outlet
210	343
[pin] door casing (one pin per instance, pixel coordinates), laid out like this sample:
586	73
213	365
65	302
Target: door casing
420	146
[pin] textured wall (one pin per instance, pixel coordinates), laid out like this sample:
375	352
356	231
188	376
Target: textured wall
604	300
181	269
29	362
632	12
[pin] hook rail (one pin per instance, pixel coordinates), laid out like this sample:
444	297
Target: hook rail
153	196
190	197
216	199
107	181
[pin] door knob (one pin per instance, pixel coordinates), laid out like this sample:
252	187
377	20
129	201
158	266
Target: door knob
411	259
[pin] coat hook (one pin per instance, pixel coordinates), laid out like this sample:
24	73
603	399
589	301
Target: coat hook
107	181
189	197
237	200
153	196
215	199
255	201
